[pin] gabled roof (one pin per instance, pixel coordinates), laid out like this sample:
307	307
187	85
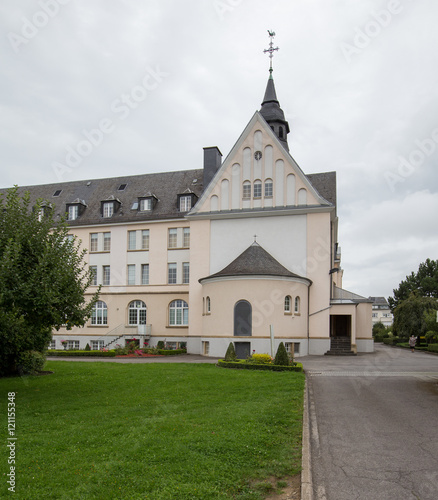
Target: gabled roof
341	296
255	261
166	187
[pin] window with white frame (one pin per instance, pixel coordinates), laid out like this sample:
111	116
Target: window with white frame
72	344
93	270
297	305
292	347
145	204
205	348
73	212
145	274
94	242
185	203
108	209
246	195
186	272
106	272
268	188
106	242
178	313
131	274
173	238
99	315
145	239
171	273
97	345
132	240
257	189
52	344
287	304
186	237
137	313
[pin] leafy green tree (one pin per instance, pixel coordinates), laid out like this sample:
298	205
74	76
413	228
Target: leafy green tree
43	279
424	282
281	358
410	316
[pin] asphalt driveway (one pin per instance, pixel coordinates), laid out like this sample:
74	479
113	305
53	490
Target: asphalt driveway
374	425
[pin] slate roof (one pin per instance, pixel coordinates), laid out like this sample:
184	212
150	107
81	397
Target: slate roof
164	186
344	296
254	261
325	184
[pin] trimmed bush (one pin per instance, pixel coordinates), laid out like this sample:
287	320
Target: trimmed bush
30	362
231	353
432	347
87	347
261	359
171	352
160	344
281	358
97	354
244	365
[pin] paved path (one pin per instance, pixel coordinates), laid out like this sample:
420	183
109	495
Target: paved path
374	425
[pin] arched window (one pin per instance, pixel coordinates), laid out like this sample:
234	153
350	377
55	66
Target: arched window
268	188
246	195
178	313
280	133
257	189
137	313
297	305
99	315
208	303
287	304
242	319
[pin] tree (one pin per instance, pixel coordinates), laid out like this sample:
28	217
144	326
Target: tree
281	358
230	355
43	279
411	316
424	282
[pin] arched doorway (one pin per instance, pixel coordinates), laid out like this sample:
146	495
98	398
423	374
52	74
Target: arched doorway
242	319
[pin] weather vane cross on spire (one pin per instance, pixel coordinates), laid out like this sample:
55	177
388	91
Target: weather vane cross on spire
271	49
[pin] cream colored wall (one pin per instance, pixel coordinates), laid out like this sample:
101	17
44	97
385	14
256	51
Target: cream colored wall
318	267
364	321
266	297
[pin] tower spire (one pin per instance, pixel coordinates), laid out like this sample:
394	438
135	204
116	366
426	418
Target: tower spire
270	109
271	50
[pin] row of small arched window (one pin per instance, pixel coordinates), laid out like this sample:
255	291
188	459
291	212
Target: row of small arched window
178	313
257	189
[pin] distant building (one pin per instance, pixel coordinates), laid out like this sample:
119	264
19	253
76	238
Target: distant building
381	311
216	255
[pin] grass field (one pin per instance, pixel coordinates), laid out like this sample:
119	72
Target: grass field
151	431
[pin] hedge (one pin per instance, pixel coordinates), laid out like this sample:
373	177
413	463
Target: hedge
432	347
242	365
171	352
74	352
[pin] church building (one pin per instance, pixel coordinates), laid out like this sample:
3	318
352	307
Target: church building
243	250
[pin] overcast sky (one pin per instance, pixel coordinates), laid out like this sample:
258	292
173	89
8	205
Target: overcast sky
152	82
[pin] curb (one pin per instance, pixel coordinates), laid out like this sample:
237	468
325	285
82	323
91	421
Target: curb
306	474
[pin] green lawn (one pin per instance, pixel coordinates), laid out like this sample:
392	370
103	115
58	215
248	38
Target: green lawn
151	431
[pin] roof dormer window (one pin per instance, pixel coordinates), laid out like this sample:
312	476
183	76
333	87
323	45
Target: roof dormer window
147	203
186	202
75	209
73	212
109	207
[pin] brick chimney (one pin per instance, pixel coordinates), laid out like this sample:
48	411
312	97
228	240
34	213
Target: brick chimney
212	162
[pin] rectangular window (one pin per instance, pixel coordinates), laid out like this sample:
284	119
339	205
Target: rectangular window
186	272
52	344
171	273
145	274
131	274
73	212
257	189
268	189
108	209
93	242
186	237
97	345
185	203
106	242
72	344
106	275
145	205
246	195
132	240
145	239
205	348
173	238
93	270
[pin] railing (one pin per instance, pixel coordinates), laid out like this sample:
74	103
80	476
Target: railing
128	330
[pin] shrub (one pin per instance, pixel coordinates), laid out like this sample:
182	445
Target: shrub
244	365
121	351
98	354
30	362
231	353
87	347
431	337
261	359
432	347
281	358
170	352
160	344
